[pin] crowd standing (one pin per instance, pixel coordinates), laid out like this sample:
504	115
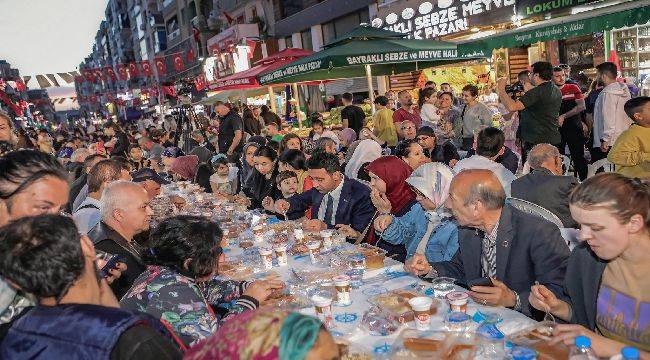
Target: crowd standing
436	182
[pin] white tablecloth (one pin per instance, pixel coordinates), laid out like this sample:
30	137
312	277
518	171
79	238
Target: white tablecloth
347	319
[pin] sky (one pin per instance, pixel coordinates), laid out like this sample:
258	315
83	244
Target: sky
48	36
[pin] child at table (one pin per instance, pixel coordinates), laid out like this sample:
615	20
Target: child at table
287	183
224	179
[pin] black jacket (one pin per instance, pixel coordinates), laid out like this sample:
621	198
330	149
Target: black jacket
547	190
583	285
529	249
121	147
108	240
75	189
509	159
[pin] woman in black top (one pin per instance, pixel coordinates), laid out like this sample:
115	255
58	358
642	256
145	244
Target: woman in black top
262	182
607	287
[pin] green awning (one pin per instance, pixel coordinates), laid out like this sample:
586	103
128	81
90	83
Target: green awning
611	17
347	58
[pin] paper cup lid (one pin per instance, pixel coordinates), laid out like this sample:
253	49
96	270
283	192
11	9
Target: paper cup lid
321	300
456	296
313	245
421	303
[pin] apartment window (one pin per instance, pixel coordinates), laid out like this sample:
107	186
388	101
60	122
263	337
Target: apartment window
305	36
288	41
339	26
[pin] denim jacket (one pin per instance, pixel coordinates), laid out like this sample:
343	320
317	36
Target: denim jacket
410	228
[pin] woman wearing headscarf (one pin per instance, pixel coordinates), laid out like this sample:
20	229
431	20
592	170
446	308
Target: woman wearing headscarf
390	194
268	334
346	137
427	229
185	167
366	152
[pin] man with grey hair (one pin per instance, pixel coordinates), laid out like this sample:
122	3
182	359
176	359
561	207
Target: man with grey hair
125	212
153	149
201	148
545	185
87	215
496	241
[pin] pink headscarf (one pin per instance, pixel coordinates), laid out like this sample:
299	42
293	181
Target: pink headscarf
185	166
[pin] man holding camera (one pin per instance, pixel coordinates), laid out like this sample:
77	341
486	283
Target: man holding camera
539	108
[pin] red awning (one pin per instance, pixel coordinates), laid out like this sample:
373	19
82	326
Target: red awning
247	79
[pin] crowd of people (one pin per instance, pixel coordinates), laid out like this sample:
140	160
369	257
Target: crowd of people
432	183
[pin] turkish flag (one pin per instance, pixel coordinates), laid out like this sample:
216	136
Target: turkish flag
122	72
133	69
199	82
178	62
169	90
110	73
20	86
89	75
190	55
99	74
109	97
146	68
161	65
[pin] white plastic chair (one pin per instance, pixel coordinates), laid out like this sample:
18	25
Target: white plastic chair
532	208
605	164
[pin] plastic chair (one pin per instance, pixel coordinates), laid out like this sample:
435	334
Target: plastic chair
532	208
605	164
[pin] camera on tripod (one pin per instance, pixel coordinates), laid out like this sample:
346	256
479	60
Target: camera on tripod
515	90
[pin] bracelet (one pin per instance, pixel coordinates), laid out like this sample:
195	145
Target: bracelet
517	306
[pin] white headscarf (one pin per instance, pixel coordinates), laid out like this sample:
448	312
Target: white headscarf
367	151
433	181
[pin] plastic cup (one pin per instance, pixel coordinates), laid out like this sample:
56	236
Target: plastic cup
281	254
313	247
267	257
457	301
298	234
421	306
327	238
342	285
323	305
258	232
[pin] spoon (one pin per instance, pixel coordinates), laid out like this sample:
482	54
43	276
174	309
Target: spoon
548	316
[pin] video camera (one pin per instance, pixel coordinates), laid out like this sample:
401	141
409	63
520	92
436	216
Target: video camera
515	90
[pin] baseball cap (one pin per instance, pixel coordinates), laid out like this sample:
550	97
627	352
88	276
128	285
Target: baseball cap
147	174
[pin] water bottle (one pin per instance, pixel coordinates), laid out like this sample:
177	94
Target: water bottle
630	353
582	349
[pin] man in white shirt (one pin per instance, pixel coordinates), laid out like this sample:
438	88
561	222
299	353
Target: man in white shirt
489	146
610	119
87	215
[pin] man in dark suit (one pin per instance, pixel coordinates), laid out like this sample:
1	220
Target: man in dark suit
512	248
545	185
335	200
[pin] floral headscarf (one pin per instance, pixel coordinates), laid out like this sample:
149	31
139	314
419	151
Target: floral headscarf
264	334
433	181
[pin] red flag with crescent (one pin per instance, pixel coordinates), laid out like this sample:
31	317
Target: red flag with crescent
190	55
88	75
99	74
109	97
110	73
178	62
161	65
133	69
122	72
146	68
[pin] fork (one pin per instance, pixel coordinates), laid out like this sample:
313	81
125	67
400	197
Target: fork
547	316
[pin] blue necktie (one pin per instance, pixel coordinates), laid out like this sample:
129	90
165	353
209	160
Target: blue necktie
328	210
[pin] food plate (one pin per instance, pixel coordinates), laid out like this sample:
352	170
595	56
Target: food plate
537	338
396	303
415	344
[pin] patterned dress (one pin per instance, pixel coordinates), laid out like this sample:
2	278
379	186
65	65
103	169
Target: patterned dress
180	304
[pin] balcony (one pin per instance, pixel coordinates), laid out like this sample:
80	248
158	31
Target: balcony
232	36
173	35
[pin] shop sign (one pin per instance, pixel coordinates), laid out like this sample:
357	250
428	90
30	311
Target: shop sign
402	56
291	70
527	8
431	19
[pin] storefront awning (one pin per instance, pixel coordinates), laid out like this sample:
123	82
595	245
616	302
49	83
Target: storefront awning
606	18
